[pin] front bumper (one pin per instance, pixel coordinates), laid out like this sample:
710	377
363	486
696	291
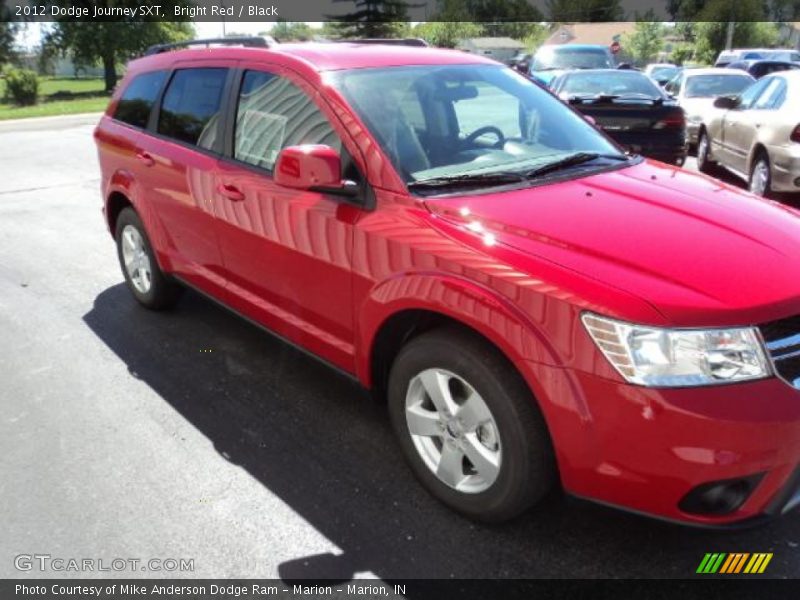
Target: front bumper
785	161
646	449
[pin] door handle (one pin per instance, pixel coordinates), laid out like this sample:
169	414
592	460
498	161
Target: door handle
145	158
230	192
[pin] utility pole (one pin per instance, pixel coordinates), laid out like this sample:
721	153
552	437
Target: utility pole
222	5
729	36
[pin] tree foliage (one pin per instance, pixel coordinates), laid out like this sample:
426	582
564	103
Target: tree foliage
7	32
287	31
113	42
570	11
644	43
372	19
446	34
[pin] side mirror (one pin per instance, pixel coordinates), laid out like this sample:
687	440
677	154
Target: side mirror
312	167
591	119
726	102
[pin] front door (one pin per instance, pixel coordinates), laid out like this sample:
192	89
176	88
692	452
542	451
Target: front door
287	253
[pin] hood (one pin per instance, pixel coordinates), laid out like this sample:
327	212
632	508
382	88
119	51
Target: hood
699	251
702	107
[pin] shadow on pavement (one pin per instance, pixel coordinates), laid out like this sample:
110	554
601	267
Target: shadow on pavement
314	439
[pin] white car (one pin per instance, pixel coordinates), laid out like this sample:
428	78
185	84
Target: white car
696	90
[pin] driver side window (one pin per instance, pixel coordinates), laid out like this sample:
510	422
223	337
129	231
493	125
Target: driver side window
749	96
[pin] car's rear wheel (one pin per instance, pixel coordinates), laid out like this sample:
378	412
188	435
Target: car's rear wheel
704	162
144	278
469	426
760	182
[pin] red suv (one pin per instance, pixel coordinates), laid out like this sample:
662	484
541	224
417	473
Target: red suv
536	307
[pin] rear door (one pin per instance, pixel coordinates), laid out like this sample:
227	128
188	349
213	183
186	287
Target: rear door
287	253
180	155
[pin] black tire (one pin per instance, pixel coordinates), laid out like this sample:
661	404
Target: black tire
761	158
704	162
527	468
163	292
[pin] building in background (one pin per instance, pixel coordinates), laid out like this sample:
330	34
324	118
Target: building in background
502	49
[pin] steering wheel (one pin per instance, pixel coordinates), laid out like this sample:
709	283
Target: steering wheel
501	139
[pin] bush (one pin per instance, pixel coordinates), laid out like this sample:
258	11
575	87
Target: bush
22	86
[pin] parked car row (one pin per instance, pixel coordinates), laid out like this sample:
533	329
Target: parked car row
739	115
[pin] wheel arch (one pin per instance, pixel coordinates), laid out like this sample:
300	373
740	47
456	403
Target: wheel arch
116	202
407	306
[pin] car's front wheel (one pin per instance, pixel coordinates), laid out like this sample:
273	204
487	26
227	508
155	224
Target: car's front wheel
469	426
144	278
704	162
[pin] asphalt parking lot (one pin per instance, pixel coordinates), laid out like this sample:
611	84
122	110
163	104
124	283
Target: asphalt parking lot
191	434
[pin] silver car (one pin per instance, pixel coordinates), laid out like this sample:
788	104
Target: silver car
756	135
696	90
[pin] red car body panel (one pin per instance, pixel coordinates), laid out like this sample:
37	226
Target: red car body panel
647	243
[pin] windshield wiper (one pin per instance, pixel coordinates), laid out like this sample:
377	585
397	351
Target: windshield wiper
468	180
570	160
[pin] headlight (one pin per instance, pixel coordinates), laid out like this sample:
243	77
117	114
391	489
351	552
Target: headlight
656	357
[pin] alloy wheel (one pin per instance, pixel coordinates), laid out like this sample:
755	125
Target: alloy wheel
136	260
759	178
453	430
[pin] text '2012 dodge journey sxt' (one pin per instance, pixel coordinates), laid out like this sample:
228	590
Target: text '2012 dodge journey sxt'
536	307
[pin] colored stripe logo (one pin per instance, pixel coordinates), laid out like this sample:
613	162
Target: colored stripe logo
734	563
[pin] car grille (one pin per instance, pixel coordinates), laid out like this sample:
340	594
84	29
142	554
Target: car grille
783	344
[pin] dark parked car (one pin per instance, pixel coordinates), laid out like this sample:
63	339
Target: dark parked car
759	68
521	62
631	108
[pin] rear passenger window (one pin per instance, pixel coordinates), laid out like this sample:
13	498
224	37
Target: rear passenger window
191	108
273	113
138	98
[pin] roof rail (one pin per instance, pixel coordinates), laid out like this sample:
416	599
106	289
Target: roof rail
419	42
254	42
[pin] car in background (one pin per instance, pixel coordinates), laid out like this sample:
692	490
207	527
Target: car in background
521	62
663	73
552	60
756	135
726	57
696	89
759	68
631	108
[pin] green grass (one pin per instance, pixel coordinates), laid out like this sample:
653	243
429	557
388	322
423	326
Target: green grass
59	97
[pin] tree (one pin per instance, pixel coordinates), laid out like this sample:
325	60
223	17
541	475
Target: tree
7	33
287	31
372	19
113	42
446	34
571	11
517	19
645	41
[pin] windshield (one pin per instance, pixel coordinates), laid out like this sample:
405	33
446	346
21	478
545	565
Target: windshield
707	86
566	57
614	83
438	121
